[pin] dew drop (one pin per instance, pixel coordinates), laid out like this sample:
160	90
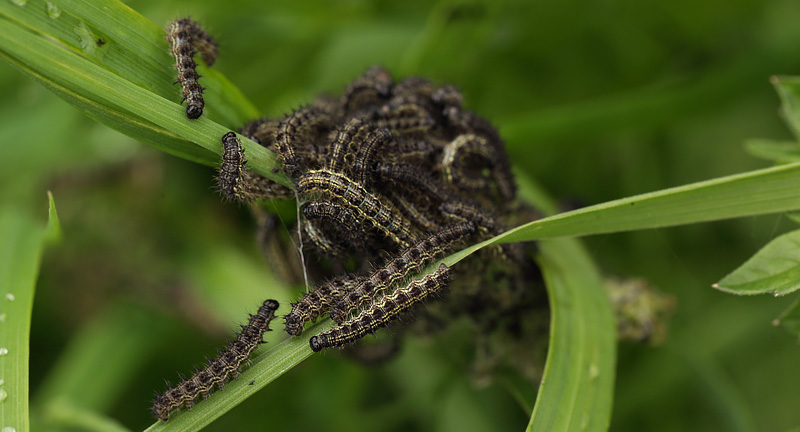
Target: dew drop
777	294
9	429
2	381
10	297
18	3
2	317
53	11
3	395
3	351
85	38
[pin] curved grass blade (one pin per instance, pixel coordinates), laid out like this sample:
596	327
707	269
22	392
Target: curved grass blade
22	241
577	389
775	269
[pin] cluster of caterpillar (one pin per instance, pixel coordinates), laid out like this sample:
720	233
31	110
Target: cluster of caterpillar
397	168
343	296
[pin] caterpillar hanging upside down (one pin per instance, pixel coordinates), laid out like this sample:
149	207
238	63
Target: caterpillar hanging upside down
388	168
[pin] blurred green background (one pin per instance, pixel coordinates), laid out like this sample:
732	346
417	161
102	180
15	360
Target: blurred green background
597	101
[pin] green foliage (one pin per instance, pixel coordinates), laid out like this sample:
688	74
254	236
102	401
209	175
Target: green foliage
21	244
775	269
591	125
578	382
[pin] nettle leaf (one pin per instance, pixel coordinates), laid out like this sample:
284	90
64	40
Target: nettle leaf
775	269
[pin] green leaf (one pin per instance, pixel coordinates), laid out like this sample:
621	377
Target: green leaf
123	96
776	151
790	318
21	244
770	190
775	269
577	388
113	36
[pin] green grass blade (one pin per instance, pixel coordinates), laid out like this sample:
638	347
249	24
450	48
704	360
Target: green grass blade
577	388
123	104
130	46
775	269
770	190
21	245
265	367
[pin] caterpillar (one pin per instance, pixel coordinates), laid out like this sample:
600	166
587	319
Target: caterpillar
364	159
383	311
186	38
382	215
469	123
374	86
218	371
235	182
290	130
317	303
343	144
397	269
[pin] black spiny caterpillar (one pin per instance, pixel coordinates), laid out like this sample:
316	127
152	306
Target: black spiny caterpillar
186	38
218	371
383	311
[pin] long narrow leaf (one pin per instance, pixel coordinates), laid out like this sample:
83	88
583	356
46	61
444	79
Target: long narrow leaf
577	388
115	37
771	190
21	243
121	103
